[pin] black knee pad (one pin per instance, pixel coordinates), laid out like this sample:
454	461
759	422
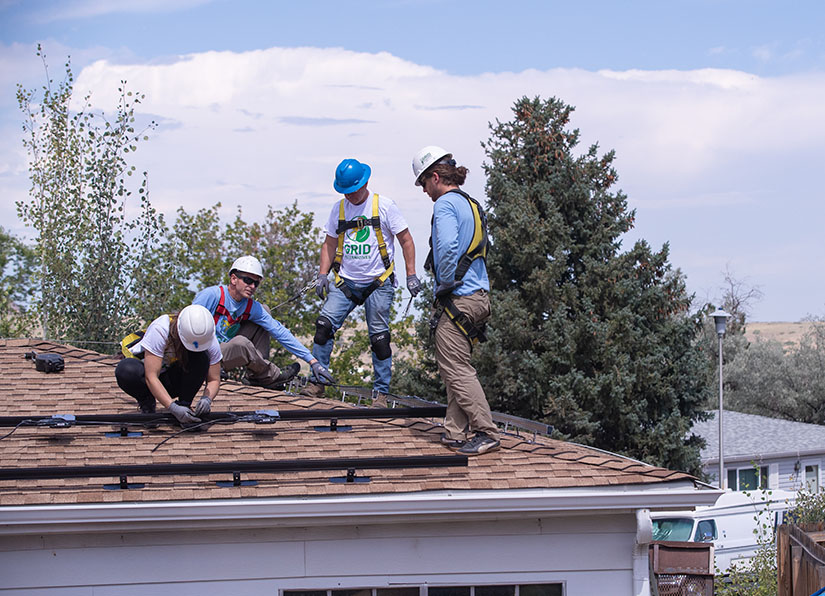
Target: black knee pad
323	331
380	343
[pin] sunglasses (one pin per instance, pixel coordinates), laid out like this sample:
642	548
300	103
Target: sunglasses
249	281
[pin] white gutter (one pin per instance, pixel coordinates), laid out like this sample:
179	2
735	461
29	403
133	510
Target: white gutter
365	509
765	456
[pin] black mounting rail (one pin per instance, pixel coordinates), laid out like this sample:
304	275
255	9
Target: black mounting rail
296	465
259	416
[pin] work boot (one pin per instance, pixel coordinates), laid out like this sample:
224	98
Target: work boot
285	376
379	400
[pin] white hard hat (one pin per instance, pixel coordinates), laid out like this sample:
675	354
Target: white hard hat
196	328
425	158
247	264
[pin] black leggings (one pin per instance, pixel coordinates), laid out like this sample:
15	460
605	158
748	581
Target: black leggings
131	377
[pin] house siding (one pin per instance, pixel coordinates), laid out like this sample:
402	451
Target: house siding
585	553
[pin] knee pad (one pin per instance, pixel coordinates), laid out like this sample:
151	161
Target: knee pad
380	344
323	331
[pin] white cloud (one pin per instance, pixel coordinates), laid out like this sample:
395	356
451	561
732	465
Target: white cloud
269	126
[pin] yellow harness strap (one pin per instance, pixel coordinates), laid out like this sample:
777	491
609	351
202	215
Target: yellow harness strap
382	245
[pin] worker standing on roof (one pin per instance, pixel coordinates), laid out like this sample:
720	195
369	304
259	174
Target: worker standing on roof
173	359
243	327
359	251
462	306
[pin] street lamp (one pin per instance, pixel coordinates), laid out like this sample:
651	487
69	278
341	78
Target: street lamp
720	317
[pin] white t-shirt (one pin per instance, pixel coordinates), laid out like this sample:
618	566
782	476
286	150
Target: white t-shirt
361	262
154	342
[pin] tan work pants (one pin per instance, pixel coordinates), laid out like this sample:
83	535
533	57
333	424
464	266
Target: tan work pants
467	409
250	349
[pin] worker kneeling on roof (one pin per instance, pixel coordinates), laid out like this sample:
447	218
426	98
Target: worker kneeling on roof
243	327
173	359
359	252
462	305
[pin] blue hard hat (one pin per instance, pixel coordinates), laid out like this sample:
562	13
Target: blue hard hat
350	175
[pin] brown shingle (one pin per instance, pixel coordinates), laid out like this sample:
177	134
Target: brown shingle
87	386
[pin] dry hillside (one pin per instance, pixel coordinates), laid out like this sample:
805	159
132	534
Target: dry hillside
786	333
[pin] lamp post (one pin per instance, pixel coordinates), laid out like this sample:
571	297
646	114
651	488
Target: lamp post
720	317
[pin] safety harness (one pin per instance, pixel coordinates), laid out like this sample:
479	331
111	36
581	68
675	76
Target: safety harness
133	339
476	250
389	266
221	310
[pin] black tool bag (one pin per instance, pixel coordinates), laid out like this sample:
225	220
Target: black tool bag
48	362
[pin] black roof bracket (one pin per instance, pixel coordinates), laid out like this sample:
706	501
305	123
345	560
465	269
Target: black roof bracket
124	485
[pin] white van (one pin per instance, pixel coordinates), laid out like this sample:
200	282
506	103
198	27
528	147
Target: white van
730	524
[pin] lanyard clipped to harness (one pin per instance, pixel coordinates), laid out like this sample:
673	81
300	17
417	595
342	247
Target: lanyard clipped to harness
343	226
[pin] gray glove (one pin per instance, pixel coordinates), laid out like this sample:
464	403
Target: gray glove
320	374
204	405
322	288
413	285
446	288
184	415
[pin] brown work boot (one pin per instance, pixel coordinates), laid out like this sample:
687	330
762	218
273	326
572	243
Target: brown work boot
312	390
379	400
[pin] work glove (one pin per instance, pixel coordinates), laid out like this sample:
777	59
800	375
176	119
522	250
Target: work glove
321	374
413	285
204	405
446	288
322	287
184	415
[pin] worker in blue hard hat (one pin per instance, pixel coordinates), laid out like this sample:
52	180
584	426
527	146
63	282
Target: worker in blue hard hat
359	252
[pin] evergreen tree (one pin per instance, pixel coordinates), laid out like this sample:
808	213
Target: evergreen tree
595	341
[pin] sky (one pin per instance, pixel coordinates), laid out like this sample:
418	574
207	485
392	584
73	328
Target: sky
715	109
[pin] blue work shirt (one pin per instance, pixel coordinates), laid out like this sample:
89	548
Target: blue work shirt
452	231
210	297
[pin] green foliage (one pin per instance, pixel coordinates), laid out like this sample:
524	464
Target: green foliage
770	379
78	207
597	342
18	264
809	507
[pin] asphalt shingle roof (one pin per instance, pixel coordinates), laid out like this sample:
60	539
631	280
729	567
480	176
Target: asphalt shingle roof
757	436
87	386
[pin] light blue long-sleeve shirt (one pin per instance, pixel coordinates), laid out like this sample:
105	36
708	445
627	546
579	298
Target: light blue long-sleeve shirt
452	231
210	297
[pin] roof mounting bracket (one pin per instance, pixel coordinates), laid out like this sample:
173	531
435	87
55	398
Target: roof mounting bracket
123	432
60	421
236	481
350	478
123	485
266	417
333	427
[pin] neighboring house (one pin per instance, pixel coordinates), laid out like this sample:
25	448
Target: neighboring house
543	517
762	452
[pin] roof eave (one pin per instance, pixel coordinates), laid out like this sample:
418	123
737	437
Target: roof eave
370	508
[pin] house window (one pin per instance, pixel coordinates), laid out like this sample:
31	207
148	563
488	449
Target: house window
812	478
503	590
748	478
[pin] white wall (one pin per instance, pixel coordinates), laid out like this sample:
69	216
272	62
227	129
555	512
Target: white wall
590	554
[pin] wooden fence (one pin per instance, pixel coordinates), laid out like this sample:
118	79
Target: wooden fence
800	559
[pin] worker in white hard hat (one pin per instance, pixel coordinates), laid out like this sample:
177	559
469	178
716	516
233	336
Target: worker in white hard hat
243	327
457	260
359	252
176	354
